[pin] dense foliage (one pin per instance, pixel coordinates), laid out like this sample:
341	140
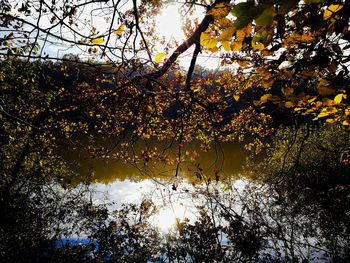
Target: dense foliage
282	93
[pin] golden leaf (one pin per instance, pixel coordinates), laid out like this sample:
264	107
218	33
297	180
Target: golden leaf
225	22
259	46
332	9
287	74
256	102
330	120
289	104
308	38
226	45
265	97
227	34
268	83
318	104
236	97
119	30
214	49
338	98
159	57
236	46
347	111
97	41
345	122
322	114
240	35
208	41
242	63
312	100
248	29
220	10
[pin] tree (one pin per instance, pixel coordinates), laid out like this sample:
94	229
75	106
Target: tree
298	47
255	34
122	89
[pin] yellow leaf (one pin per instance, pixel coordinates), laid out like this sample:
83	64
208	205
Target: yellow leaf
318	104
248	29
236	46
211	43
226	45
289	104
256	102
208	41
312	100
259	46
308	38
264	98
323	114
330	120
347	111
220	10
242	63
159	57
338	98
345	122
332	9
240	35
236	97
266	84
227	34
97	41
119	30
214	49
225	22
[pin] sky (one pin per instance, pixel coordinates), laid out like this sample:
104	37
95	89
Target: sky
169	25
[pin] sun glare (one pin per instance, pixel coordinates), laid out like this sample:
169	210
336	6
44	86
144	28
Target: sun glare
169	24
166	217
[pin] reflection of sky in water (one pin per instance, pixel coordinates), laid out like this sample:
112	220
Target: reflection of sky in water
179	204
173	205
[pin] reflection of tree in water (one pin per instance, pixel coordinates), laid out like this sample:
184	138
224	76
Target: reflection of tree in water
297	211
224	158
309	180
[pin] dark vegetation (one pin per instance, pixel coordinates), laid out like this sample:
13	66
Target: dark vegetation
286	101
291	186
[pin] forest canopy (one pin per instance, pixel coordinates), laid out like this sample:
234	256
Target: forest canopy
292	54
